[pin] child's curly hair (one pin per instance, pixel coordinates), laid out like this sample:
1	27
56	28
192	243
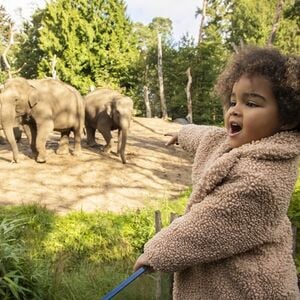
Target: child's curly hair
281	70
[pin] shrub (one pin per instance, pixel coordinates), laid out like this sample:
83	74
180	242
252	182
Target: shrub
19	279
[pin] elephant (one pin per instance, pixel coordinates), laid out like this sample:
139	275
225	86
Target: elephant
107	110
43	105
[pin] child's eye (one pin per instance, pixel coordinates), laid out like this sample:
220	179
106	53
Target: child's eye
232	103
251	104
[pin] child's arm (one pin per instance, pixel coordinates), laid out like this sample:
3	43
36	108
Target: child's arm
191	136
231	220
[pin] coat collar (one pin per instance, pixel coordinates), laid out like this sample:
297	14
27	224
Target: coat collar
282	145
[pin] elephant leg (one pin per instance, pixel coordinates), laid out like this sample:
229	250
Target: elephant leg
63	147
2	138
17	134
43	131
27	131
107	137
31	134
90	136
77	141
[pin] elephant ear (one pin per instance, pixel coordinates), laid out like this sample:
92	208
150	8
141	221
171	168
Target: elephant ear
33	97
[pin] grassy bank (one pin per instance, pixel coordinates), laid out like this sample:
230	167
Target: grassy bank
47	256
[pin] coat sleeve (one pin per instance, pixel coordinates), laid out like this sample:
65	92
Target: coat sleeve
191	136
232	219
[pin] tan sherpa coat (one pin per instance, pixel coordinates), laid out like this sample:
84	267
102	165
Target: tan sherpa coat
234	241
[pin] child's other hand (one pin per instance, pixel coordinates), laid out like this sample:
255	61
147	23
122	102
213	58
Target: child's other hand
174	138
142	261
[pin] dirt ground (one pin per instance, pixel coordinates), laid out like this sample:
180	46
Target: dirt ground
97	180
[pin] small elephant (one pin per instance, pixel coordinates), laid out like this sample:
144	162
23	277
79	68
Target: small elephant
108	110
43	106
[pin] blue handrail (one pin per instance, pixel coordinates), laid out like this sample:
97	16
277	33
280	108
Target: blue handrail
124	283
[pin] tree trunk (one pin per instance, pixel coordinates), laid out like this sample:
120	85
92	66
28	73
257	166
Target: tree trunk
203	15
161	79
278	12
53	64
146	94
189	116
4	54
147	102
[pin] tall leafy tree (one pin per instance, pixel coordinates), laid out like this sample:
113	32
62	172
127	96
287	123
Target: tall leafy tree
147	43
288	33
30	53
91	40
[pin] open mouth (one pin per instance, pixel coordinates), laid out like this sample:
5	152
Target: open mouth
234	128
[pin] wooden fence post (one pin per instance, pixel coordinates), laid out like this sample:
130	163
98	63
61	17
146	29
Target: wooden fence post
158	226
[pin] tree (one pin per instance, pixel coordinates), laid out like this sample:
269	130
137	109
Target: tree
161	78
31	53
201	12
287	35
144	37
278	13
91	40
6	42
150	64
161	26
189	116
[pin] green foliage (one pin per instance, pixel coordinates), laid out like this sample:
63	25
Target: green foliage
248	25
30	54
92	41
65	257
294	214
97	237
287	37
20	278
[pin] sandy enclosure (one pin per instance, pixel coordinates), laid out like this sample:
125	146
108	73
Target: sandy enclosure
97	180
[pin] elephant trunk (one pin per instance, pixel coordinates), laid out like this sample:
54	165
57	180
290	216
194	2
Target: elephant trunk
123	145
124	132
8	116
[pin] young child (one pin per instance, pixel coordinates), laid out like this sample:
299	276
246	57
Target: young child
235	240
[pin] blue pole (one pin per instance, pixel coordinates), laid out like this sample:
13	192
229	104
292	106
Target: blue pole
124	283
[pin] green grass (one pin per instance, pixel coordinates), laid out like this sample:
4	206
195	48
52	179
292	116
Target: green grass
82	254
294	214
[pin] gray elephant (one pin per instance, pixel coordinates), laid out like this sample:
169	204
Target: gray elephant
43	106
108	110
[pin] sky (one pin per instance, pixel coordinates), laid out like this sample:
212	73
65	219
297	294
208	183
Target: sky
181	12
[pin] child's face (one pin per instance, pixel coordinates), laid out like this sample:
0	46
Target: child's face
252	113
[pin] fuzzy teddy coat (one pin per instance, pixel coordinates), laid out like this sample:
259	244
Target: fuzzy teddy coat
234	241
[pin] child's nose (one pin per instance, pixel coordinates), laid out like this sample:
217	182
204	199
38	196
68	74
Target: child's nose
235	111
